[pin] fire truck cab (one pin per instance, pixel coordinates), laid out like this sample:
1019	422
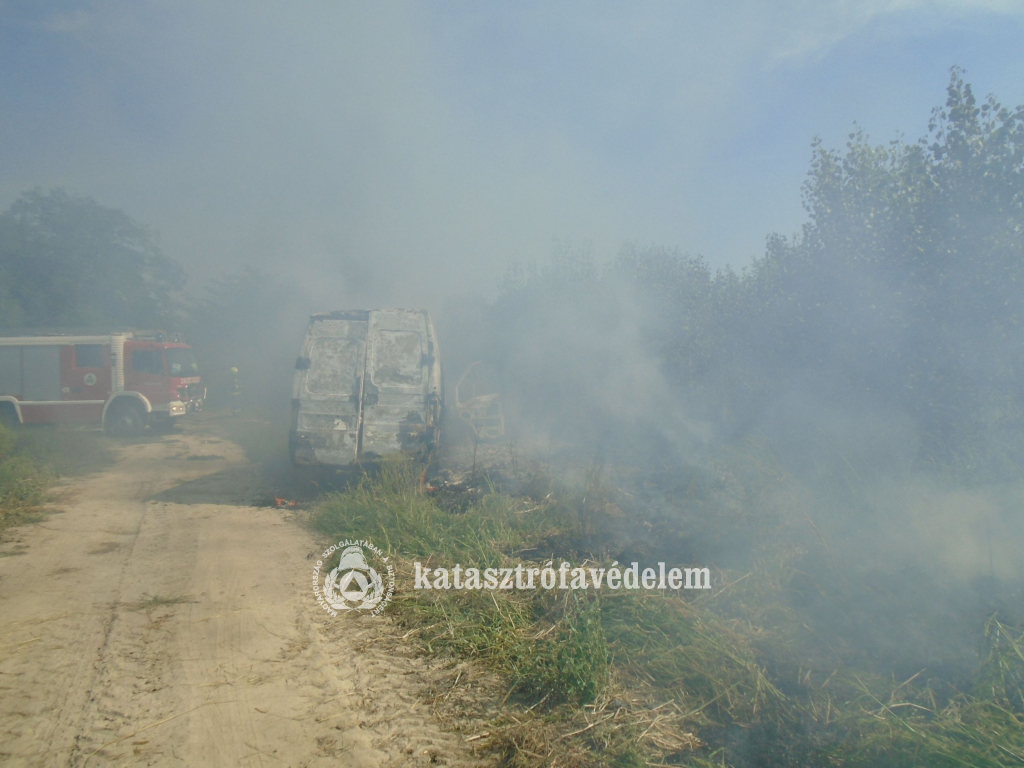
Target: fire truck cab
121	380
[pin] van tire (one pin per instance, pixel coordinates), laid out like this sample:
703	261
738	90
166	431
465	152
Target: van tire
125	419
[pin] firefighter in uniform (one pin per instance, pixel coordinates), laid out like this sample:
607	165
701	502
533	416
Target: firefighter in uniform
236	392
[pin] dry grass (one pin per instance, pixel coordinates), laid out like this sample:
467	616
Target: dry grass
735	677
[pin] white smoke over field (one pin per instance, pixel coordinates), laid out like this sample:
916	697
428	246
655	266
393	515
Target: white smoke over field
399	153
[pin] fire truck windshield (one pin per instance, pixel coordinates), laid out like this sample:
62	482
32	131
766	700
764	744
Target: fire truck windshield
181	362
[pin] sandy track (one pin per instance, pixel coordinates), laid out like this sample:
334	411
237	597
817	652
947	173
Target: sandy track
136	630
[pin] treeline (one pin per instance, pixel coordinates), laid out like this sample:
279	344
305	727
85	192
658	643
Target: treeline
898	308
895	315
68	262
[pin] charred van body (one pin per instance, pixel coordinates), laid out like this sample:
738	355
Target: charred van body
367	384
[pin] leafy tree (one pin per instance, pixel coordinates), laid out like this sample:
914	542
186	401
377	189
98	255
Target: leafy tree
69	261
901	296
905	285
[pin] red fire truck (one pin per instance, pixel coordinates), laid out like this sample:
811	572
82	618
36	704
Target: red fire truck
122	380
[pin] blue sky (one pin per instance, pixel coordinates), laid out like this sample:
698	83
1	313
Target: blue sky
386	151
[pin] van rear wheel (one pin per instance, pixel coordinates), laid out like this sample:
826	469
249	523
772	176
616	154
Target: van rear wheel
125	420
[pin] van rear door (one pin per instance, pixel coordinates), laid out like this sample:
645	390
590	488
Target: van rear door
394	395
329	387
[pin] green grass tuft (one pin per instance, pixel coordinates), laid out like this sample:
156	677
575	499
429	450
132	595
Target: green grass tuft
23	482
569	662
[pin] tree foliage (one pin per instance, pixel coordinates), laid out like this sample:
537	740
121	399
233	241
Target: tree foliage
69	261
902	294
905	285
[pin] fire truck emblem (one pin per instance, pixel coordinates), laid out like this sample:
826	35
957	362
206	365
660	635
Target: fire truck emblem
353	584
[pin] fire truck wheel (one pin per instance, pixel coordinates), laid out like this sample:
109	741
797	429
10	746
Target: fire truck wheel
8	416
125	419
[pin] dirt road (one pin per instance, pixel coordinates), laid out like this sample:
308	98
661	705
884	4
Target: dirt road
155	621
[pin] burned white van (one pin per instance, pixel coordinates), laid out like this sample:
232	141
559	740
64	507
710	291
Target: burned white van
367	384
